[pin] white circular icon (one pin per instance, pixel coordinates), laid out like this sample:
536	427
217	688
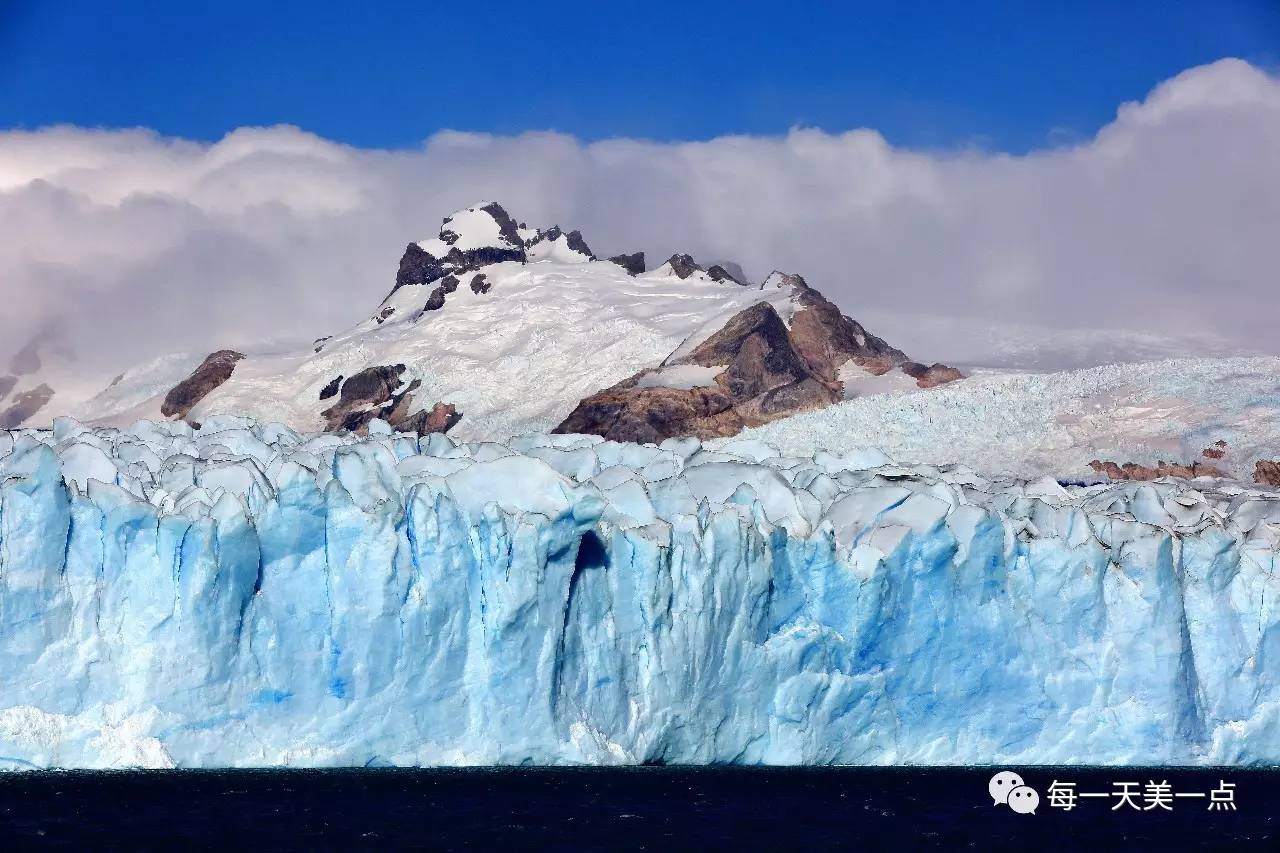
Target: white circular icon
1024	800
1001	784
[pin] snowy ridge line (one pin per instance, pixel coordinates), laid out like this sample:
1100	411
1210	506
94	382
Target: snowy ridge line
242	595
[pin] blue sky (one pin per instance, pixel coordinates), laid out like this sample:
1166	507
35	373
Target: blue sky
1001	76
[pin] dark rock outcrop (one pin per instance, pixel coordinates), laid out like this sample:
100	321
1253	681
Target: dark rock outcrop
683	265
480	283
435	301
363	396
418	266
506	225
734	270
379	392
332	388
25	405
1134	471
573	240
318	343
215	370
719	273
384	314
632	263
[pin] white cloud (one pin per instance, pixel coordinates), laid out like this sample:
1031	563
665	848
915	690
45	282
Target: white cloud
1165	221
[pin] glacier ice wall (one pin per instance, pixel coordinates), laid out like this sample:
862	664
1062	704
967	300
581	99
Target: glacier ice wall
241	595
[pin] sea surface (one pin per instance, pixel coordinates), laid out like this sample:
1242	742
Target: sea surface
647	808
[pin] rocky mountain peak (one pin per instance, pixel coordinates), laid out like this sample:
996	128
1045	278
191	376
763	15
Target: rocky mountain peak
554	242
780	279
722	274
469	239
684	265
485	225
633	263
727	271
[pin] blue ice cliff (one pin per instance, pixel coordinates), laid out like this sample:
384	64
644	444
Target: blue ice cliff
244	595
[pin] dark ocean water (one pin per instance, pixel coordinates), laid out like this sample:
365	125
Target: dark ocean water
640	808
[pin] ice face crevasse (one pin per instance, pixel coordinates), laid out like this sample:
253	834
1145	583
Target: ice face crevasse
240	594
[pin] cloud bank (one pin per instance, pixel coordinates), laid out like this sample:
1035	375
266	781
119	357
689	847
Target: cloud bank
1167	220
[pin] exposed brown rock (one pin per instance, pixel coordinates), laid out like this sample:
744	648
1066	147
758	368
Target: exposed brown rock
932	376
769	372
876	366
1267	473
650	415
1217	450
216	369
827	339
757	349
25	405
1134	471
375	392
441	418
764	378
362	395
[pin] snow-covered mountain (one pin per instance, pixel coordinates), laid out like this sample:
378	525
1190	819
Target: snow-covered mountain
494	329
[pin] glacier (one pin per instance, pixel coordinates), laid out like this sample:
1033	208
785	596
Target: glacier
240	594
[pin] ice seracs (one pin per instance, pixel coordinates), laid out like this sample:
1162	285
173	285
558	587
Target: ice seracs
245	595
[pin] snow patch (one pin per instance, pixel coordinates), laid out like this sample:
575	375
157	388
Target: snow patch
683	376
